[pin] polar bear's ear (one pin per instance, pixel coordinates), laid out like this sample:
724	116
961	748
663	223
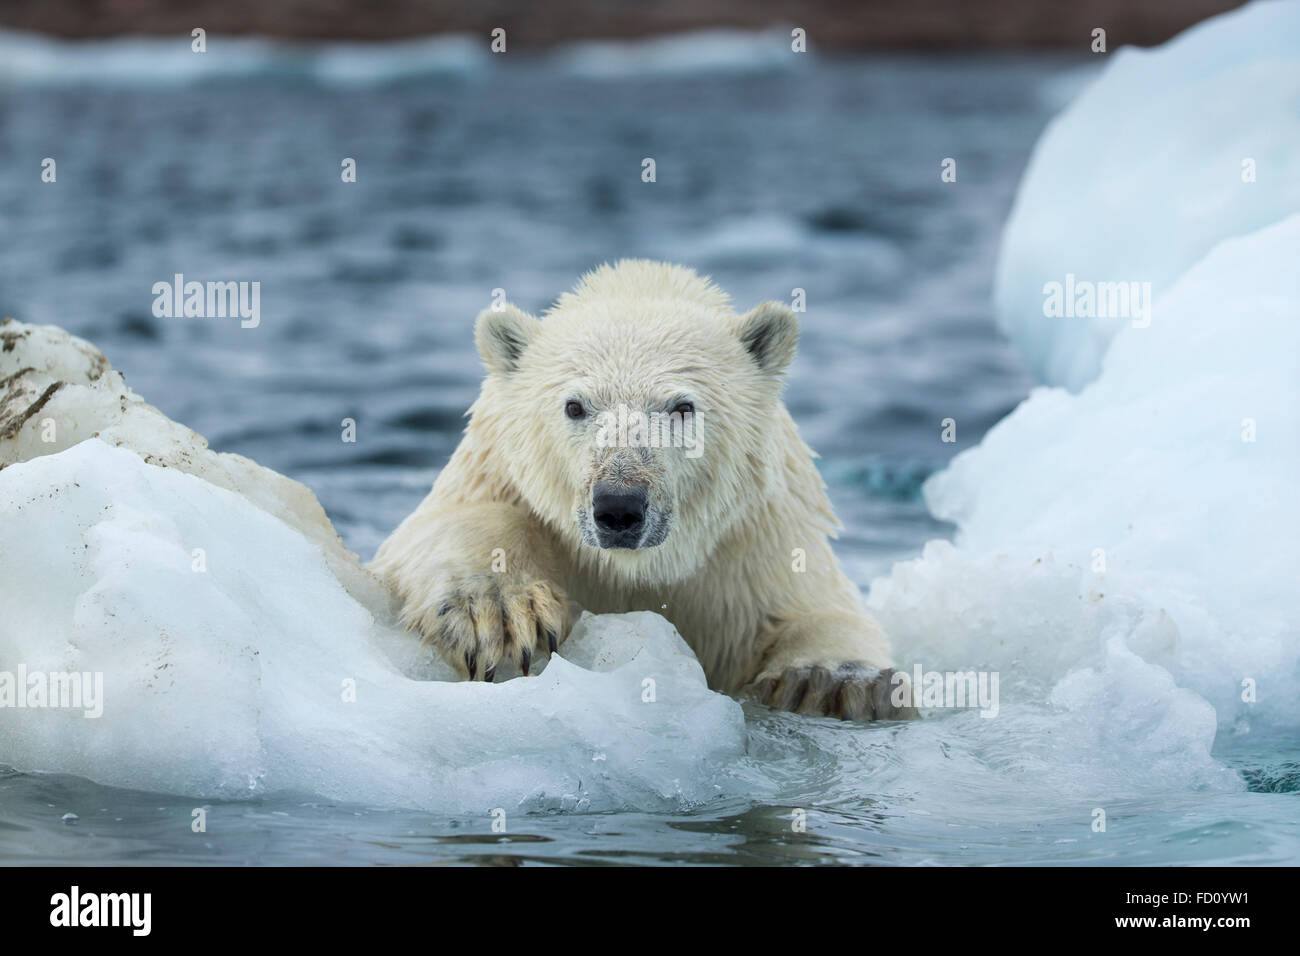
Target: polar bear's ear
502	335
770	332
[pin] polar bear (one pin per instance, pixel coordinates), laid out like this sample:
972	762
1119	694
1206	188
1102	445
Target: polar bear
631	451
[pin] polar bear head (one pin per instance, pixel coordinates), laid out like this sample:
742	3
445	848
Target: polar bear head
642	417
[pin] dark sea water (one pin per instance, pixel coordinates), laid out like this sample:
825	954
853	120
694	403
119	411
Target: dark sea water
825	178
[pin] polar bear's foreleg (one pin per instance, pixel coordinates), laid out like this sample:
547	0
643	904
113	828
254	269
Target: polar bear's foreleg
475	581
834	664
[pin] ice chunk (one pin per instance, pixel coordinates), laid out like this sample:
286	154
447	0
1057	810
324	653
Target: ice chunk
1146	172
243	650
1126	555
57	390
1158	503
230	672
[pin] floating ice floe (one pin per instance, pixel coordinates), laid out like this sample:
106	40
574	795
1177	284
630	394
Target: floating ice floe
238	649
57	390
1170	151
1127	552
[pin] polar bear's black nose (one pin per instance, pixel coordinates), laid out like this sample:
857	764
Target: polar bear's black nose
619	512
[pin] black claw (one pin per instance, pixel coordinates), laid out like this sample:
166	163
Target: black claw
471	662
525	660
550	640
491	673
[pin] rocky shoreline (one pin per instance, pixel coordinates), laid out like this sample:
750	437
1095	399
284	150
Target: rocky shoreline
830	24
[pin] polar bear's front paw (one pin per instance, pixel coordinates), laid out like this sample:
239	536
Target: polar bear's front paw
476	622
849	691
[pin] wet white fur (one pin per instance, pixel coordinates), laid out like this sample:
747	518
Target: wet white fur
644	334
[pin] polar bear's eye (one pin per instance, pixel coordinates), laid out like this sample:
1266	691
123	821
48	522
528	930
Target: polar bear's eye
684	408
574	409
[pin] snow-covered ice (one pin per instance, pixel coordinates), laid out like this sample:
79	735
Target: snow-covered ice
57	390
1126	552
1162	493
1140	177
231	676
231	628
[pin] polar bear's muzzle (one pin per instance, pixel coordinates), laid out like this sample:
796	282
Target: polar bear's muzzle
622	516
